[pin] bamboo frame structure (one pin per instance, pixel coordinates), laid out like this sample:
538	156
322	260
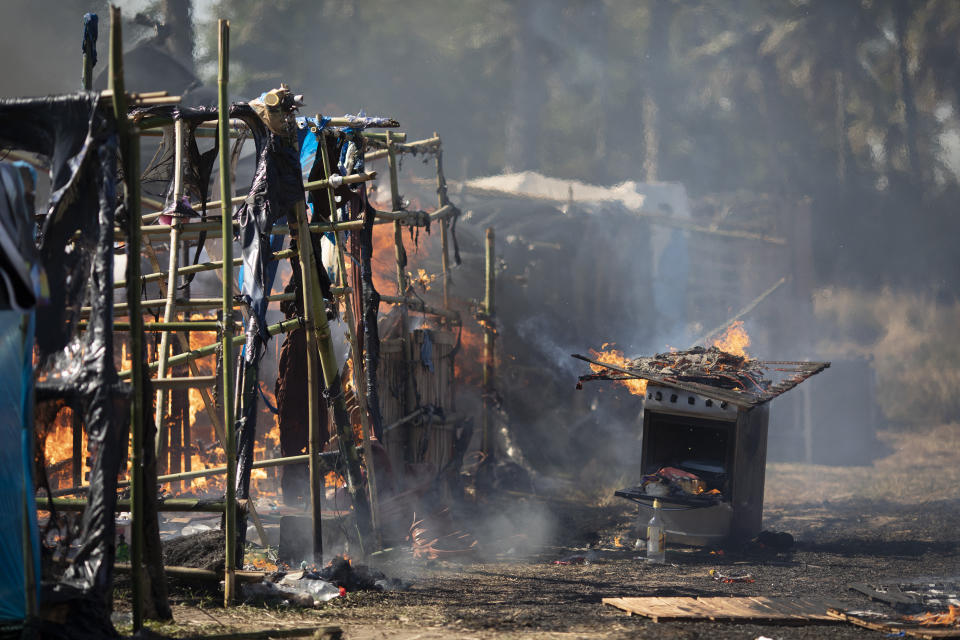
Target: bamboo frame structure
136	235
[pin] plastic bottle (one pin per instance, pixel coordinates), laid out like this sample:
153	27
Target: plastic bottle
655	537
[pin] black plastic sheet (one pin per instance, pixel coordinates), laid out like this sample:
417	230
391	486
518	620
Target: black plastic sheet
76	251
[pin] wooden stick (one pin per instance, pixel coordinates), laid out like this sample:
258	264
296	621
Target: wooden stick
328	632
312	308
443	201
747	309
170	305
488	340
230	445
336	180
194	573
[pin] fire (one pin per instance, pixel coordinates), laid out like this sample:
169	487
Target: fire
58	448
609	355
204	365
951	617
422	278
734	340
334	480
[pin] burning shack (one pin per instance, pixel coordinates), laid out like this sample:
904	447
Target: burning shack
704	445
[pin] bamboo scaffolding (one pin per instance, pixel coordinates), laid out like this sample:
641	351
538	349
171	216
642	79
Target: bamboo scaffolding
230	447
358	379
130	145
170	304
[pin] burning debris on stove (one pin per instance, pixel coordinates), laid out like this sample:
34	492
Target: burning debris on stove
704	434
711	372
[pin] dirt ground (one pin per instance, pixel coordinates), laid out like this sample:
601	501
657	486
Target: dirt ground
899	517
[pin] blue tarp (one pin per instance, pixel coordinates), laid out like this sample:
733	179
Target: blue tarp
16	418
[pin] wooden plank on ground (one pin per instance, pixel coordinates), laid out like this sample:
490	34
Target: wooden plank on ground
889	626
784	610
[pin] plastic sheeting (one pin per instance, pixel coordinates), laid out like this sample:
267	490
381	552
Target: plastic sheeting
76	251
16	459
18	268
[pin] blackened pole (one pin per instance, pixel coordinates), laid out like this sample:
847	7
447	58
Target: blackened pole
230	436
488	338
130	144
89	48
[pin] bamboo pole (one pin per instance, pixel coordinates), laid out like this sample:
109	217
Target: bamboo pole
170	305
193	382
229	446
358	379
311	309
195	303
205	575
408	217
408	399
442	201
130	144
488	340
171	505
352	122
214	471
327	632
334	181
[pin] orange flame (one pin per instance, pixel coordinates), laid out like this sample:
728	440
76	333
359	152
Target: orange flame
734	340
609	355
951	617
